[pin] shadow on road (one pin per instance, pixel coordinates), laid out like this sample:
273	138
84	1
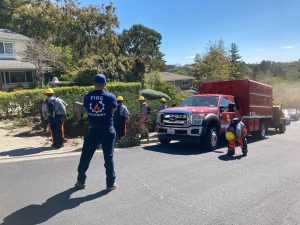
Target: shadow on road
36	214
180	148
230	158
26	134
25	151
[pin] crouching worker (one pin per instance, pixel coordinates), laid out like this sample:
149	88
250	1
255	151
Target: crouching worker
120	117
236	131
55	110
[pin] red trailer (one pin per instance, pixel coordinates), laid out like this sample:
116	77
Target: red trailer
252	99
204	117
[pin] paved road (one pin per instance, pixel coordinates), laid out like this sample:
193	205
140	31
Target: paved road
174	185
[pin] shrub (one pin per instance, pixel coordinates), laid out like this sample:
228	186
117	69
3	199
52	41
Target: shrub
75	128
132	136
154	95
26	102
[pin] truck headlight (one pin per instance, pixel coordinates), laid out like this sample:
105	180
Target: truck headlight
159	117
197	118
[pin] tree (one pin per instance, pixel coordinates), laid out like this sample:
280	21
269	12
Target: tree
143	42
235	64
43	57
7	9
86	30
214	64
117	68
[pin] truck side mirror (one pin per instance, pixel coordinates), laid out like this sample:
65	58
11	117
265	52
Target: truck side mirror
231	107
222	108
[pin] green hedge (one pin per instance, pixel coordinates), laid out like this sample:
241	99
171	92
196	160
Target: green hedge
26	102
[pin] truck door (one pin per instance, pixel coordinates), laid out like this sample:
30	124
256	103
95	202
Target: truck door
225	115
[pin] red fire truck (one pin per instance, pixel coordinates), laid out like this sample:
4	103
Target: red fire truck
202	118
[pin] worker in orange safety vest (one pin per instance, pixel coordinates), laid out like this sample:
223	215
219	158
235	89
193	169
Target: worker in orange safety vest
236	131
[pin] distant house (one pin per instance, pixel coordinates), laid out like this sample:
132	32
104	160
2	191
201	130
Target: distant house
181	81
14	72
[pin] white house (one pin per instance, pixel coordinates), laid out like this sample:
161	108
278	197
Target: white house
13	72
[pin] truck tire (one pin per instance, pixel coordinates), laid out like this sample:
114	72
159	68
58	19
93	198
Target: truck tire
282	128
261	134
164	142
211	138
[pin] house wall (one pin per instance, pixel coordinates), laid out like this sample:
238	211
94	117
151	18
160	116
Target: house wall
19	47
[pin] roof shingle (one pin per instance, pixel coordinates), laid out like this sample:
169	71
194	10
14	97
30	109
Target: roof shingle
6	34
166	76
15	65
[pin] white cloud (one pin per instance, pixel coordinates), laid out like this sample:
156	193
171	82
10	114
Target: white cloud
190	57
289	46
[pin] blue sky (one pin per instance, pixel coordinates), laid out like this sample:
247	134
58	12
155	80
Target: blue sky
262	29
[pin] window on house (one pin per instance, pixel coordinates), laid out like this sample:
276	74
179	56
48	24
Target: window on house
6	48
185	82
7	79
1	48
29	77
17	77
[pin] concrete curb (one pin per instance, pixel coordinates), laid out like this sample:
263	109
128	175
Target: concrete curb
77	149
47	153
56	153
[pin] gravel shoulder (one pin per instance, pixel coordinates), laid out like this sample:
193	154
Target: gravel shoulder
24	141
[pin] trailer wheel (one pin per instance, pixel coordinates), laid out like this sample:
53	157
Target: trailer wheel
164	142
261	134
211	138
282	128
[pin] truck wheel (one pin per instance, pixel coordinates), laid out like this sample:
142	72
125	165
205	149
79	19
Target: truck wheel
211	138
261	134
282	128
164	142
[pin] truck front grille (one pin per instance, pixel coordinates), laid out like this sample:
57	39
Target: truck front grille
175	119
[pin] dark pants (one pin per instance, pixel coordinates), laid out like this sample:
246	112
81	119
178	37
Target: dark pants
120	126
44	123
94	137
56	131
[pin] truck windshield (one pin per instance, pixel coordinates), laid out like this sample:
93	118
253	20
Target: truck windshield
207	101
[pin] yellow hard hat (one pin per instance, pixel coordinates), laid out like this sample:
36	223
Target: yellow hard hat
229	136
141	98
163	100
120	98
49	91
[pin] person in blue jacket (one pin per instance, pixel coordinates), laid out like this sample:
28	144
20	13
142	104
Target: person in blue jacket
100	106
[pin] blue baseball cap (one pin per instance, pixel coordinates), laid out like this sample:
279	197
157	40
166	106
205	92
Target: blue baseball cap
100	79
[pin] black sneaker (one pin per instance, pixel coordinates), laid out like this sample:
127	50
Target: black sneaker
110	187
245	153
57	146
230	152
79	185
